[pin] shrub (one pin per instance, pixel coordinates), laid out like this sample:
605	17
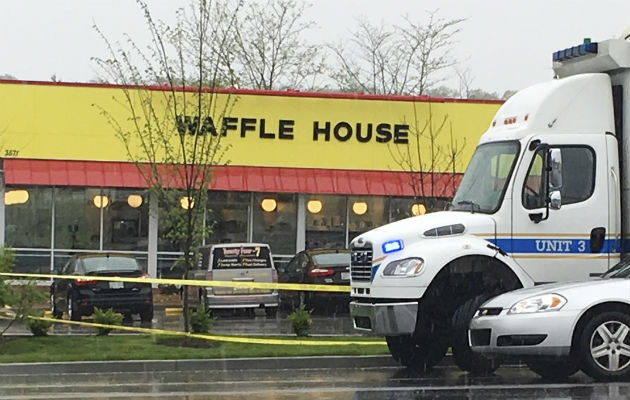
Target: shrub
38	327
300	320
108	317
200	321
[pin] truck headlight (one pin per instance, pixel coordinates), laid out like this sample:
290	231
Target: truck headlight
405	267
545	302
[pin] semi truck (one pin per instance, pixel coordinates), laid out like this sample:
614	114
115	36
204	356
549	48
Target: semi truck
543	199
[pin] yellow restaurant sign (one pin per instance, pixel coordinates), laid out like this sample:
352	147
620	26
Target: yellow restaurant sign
50	121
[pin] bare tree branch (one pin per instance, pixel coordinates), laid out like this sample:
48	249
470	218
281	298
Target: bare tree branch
403	59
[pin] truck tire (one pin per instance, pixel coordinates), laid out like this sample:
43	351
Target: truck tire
463	356
414	354
555	369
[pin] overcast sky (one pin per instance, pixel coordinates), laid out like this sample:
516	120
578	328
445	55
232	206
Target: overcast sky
506	44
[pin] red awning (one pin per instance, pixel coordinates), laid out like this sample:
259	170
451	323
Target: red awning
231	177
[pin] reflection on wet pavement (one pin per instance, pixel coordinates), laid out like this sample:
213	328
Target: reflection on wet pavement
386	383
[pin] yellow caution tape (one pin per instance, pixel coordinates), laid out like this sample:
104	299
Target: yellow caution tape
218	338
191	282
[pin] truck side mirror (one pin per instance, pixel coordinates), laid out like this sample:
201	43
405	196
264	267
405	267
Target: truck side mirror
555	170
555	200
553	175
555	178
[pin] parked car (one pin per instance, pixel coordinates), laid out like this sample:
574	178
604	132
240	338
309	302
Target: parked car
562	328
79	297
238	262
317	266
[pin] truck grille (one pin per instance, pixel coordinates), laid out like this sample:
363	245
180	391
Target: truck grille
361	263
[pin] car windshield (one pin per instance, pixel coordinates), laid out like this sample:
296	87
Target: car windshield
331	258
620	270
486	178
97	264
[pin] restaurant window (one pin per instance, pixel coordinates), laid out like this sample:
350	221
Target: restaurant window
275	221
78	217
171	210
28	212
365	213
126	220
32	261
325	221
405	207
227	216
402	207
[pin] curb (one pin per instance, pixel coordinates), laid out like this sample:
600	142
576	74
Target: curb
311	362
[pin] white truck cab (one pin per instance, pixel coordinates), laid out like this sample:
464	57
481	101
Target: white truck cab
541	201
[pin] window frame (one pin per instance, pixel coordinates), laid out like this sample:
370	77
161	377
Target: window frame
564	146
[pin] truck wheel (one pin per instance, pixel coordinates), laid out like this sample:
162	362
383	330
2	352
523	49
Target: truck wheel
463	355
605	346
410	353
554	369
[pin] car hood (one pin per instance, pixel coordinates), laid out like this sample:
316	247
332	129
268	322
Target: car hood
597	287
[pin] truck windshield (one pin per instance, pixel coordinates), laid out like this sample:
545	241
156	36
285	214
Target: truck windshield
486	178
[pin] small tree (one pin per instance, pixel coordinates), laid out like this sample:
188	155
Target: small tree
174	134
21	295
430	161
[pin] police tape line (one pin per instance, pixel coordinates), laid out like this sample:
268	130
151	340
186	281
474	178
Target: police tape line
191	282
217	338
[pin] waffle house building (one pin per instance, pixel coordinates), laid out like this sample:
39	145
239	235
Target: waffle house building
306	170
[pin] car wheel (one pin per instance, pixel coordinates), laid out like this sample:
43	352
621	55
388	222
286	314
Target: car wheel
146	316
415	354
553	369
271	312
605	346
73	309
463	355
53	307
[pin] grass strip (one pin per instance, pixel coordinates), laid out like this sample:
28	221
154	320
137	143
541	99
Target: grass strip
164	347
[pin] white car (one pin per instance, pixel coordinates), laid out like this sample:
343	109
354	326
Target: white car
561	328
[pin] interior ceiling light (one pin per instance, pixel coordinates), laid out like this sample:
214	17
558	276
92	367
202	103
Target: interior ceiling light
314	206
359	207
18	196
186	202
100	201
418	209
134	200
268	205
